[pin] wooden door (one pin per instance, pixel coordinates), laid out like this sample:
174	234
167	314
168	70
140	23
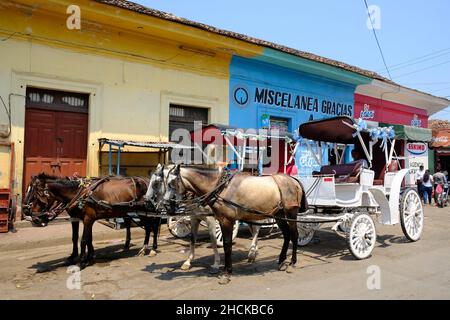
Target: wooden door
55	137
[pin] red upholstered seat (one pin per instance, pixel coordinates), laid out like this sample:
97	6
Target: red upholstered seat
393	166
343	173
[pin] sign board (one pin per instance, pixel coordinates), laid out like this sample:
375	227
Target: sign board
417	154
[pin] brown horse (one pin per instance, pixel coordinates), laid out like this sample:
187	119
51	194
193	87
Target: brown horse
154	197
46	191
241	197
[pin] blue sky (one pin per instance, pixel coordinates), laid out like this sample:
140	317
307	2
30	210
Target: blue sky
413	33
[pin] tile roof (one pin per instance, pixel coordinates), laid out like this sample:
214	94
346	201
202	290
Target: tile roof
128	5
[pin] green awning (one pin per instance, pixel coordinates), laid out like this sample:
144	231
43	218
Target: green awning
409	133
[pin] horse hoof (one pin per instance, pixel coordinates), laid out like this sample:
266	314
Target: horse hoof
185	266
251	256
283	266
141	252
224	279
152	253
290	268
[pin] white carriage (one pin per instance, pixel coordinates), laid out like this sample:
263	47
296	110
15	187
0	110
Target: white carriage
349	195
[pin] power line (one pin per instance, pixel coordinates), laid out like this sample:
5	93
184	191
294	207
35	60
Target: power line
441	89
426	83
434	54
429	67
376	38
418	62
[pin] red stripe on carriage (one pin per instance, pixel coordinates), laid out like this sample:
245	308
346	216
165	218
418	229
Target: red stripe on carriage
327	179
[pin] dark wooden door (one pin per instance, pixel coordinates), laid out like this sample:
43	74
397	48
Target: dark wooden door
55	141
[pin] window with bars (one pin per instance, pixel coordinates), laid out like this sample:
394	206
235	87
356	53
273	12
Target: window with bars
184	117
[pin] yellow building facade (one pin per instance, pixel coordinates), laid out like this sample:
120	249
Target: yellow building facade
132	66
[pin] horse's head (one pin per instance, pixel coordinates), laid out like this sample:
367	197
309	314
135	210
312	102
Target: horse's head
155	191
175	190
38	200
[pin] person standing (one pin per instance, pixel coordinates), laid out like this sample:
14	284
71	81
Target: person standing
439	179
427	185
419	178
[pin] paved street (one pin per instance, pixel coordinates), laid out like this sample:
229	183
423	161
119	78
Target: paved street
31	267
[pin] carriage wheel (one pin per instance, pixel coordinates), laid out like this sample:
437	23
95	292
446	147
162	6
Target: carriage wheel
411	214
179	227
305	233
362	236
268	229
219	235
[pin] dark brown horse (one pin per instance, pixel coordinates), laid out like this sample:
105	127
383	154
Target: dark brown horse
241	197
48	195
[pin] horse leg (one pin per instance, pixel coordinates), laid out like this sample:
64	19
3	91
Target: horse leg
155	228
195	222
86	239
211	222
90	246
147	228
75	232
284	227
127	222
254	246
227	233
294	239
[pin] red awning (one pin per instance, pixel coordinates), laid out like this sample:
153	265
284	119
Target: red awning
441	138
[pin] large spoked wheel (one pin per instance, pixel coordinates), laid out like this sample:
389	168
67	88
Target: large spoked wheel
411	214
362	236
179	227
306	233
219	235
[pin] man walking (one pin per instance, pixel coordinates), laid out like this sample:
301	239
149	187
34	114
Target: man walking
439	180
419	179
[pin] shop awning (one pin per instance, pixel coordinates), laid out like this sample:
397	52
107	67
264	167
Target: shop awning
210	133
441	138
409	133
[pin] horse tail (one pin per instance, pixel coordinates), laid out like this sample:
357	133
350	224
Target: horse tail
304	200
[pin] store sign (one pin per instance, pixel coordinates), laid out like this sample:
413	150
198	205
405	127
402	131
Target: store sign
416	122
416	148
417	155
367	114
442	139
282	99
265	121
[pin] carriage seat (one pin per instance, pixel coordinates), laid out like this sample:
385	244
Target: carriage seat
343	173
393	166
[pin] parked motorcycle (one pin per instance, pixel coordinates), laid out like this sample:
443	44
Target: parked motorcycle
442	195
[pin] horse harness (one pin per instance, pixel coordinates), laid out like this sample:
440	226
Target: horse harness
88	197
210	198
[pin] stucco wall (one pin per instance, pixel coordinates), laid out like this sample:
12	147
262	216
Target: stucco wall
128	99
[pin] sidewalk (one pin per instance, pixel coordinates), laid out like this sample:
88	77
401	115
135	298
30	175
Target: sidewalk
57	234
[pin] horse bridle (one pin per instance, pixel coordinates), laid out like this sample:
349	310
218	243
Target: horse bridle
208	199
42	196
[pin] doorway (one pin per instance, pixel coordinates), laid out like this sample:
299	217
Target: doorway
56	131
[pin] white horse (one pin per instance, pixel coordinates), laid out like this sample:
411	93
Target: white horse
154	195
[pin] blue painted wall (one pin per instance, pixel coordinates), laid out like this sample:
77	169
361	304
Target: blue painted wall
259	89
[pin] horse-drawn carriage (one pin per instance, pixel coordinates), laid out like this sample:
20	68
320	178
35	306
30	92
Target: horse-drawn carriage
349	195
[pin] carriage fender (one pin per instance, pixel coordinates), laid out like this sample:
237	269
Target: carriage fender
394	195
390	213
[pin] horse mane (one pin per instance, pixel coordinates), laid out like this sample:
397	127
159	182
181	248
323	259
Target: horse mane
65	181
46	176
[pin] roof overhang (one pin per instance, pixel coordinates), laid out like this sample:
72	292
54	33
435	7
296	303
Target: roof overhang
396	93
